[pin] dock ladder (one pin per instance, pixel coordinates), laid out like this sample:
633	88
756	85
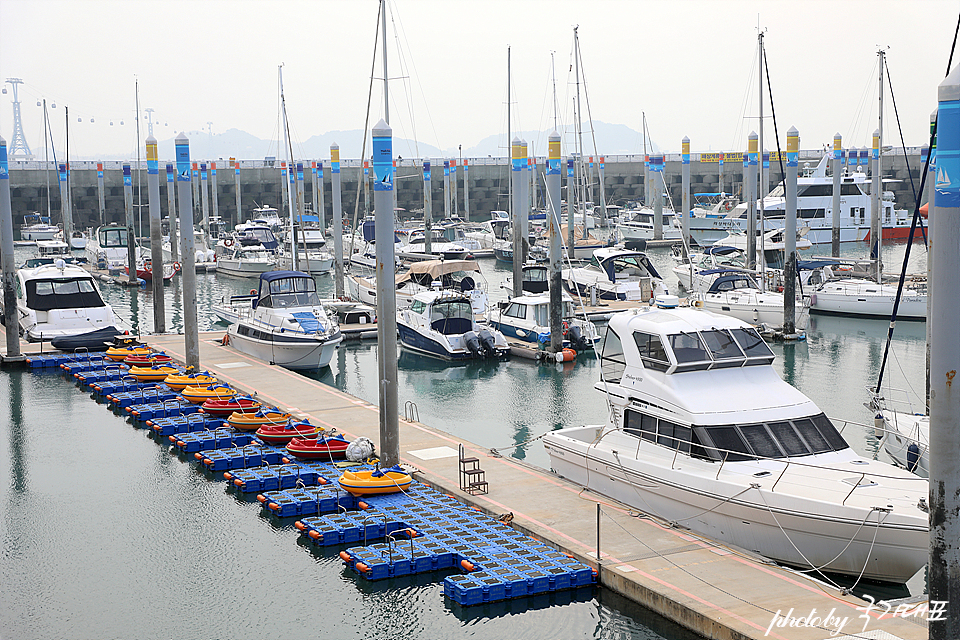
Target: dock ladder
472	477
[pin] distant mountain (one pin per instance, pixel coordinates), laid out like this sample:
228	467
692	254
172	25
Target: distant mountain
611	139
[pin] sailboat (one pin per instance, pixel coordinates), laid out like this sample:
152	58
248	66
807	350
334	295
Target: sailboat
862	297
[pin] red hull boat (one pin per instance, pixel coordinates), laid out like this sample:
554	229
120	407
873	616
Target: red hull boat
319	448
226	407
284	433
147	359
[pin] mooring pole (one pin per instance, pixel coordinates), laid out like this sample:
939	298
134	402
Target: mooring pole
100	196
685	200
931	198
188	275
837	171
10	320
236	180
553	215
523	186
386	294
790	234
516	175
876	206
944	565
466	189
337	218
322	208
749	194
446	188
214	200
427	208
205	202
172	215
571	204
656	175
156	248
128	216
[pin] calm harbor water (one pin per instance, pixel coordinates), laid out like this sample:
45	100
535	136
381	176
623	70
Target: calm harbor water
106	533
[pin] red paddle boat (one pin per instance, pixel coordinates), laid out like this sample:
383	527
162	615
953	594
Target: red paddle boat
319	448
284	433
217	407
147	359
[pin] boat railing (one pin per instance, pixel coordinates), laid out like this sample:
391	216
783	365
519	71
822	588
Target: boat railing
894	399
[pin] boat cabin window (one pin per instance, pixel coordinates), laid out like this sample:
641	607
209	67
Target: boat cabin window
516	310
612	361
652	353
753	346
451	317
417	306
66	293
690	352
290	292
777	439
653	429
113	238
723	348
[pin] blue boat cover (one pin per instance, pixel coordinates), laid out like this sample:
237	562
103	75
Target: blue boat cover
270	276
308	321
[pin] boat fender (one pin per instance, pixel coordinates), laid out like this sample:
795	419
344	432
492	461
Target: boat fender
913	457
467	565
253	292
813	299
228	242
360	449
226	339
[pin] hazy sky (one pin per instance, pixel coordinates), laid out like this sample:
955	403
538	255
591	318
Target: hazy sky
689	65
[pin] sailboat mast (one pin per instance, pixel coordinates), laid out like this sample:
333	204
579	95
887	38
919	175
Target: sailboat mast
46	154
581	187
759	175
290	192
67	207
876	224
509	148
386	93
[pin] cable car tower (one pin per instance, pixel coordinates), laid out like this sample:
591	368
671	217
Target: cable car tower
19	149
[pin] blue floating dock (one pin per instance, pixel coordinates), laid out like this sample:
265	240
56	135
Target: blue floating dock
208	440
239	458
129	383
275	478
154	410
142	395
189	423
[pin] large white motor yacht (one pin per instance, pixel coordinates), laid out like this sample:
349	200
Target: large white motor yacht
58	300
616	274
704	434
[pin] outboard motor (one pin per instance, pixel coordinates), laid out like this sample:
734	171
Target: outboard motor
576	338
488	342
472	340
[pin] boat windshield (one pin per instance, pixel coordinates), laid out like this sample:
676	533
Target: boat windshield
62	293
113	237
290	292
700	351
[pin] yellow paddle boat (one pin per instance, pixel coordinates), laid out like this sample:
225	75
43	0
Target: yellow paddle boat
363	483
253	421
199	395
181	382
155	373
119	354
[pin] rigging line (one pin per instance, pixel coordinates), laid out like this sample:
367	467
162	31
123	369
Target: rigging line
773	112
363	148
746	100
913	226
903	145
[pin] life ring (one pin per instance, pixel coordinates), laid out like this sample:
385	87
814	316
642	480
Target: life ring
727	206
253	292
226	339
176	267
566	327
228	242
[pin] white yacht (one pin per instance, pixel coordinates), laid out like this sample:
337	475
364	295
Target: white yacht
286	324
717	256
704	434
204	258
37	227
527	318
814	210
441	324
58	300
48	252
616	274
737	294
637	224
246	261
461	275
863	298
108	249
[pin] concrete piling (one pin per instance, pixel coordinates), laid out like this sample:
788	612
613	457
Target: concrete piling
188	275
64	200
516	176
571	206
321	208
214	200
427	208
466	190
205	202
790	234
172	215
553	219
944	564
656	171
685	201
386	294
837	171
236	181
131	237
7	262
156	250
446	189
337	218
100	196
750	193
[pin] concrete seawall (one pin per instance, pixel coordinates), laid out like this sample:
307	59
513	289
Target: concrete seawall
261	183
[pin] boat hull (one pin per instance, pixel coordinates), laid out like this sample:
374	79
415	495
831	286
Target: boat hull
750	518
291	351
